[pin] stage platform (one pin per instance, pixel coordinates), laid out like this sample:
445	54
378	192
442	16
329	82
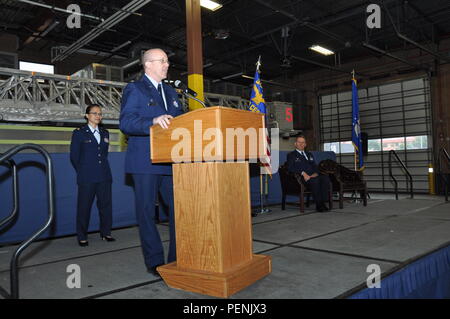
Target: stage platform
314	255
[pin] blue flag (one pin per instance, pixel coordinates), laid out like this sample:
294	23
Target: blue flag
257	103
356	127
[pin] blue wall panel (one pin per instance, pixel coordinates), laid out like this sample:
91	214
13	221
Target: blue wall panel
33	195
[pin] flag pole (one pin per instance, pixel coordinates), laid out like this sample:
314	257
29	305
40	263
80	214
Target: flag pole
354	146
261	183
262	187
261	191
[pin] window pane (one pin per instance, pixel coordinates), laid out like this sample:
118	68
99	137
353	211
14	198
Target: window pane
395	143
374	145
347	147
416	142
334	147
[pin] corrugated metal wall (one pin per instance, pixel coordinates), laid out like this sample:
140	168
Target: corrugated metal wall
395	116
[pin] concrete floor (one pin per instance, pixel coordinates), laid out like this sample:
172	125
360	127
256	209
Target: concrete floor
314	255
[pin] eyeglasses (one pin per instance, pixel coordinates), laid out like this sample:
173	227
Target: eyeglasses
95	113
163	61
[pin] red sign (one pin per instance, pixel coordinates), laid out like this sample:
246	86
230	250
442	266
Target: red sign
289	114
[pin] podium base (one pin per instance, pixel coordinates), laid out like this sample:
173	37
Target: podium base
217	284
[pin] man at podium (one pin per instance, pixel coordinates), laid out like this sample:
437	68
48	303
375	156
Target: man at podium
146	102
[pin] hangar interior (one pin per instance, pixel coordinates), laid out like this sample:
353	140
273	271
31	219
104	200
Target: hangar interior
398	51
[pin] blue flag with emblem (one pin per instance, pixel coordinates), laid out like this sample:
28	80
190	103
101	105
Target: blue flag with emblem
258	105
356	127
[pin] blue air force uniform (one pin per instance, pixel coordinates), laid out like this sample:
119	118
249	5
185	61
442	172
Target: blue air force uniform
303	161
90	160
141	103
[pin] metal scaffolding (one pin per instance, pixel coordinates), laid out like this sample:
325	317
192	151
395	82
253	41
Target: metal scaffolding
32	97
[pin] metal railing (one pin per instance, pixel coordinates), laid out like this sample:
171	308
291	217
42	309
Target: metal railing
5	158
405	169
445	179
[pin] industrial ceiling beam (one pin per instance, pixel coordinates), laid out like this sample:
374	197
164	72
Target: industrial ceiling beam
405	38
383	52
324	65
304	23
43	5
116	18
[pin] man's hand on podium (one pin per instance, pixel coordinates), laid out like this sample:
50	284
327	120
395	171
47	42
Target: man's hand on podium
163	120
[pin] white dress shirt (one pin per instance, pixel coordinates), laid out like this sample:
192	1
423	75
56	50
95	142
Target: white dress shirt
96	133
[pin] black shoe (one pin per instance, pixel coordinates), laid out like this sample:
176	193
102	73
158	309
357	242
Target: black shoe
83	243
325	208
107	238
320	209
154	271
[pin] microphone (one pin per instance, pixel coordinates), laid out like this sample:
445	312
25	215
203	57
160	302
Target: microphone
180	85
189	93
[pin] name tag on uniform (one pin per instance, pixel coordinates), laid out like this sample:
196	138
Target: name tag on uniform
88	141
106	140
175	103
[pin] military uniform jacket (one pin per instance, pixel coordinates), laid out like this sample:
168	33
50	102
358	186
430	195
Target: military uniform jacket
141	103
89	158
297	163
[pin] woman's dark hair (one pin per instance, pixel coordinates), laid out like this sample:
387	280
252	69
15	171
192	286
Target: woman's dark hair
90	106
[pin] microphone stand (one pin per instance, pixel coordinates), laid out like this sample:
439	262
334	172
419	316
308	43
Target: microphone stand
194	98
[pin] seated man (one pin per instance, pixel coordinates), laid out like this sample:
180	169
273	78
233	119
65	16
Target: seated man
300	161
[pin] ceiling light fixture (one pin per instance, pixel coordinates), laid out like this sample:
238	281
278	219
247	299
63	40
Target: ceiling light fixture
211	5
321	50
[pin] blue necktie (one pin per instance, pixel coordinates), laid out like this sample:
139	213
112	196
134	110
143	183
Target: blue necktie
161	93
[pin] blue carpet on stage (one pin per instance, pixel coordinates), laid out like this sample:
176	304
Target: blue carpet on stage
427	277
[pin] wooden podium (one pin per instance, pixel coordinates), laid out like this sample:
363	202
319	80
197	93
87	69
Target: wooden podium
212	199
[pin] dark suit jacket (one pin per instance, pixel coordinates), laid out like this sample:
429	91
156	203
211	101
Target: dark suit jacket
89	158
141	103
297	163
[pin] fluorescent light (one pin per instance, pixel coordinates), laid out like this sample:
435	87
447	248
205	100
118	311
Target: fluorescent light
211	5
36	67
321	50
